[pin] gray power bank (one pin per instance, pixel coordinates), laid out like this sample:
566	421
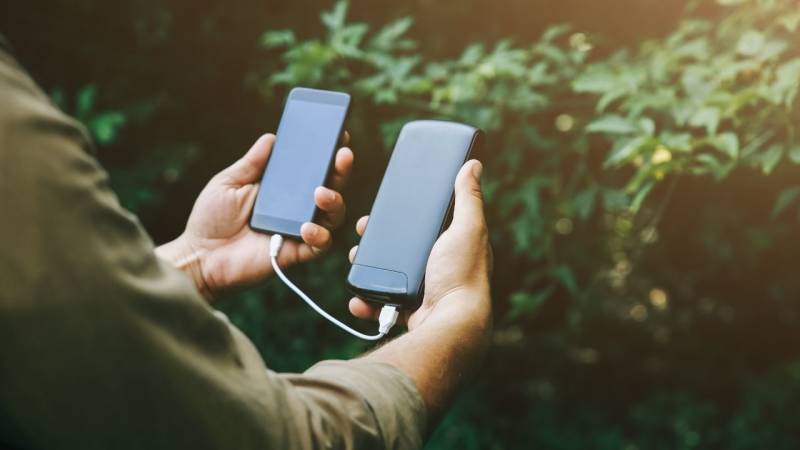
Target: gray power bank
410	211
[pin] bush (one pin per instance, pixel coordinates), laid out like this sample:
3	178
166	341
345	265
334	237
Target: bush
586	151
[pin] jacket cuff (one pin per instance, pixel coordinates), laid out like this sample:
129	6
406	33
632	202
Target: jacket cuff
391	395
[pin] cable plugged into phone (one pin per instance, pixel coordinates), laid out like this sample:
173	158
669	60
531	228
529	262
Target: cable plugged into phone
386	319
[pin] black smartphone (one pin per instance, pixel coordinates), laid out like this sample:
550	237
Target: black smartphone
304	150
411	210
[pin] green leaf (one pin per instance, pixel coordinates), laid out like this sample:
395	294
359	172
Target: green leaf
614	199
676	141
554	32
696	49
551	52
525	303
785	198
772	49
387	36
386	96
625	150
334	19
472	55
789	71
794	153
608	98
611	124
105	126
711	164
728	143
347	40
85	102
595	80
696	83
755	143
277	38
584	203
647	125
707	117
786	84
563	273
751	43
790	21
771	158
640	196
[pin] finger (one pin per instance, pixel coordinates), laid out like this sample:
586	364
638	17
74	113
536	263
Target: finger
344	139
352	255
468	206
361	225
332	204
363	310
316	236
249	168
342	166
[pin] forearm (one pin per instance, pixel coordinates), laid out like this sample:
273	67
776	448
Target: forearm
443	352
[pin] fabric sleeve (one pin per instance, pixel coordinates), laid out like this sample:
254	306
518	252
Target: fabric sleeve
388	410
103	345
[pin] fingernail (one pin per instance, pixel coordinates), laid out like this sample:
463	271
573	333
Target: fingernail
477	169
331	195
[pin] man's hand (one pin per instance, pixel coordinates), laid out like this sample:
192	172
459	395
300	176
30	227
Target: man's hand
449	334
460	261
219	250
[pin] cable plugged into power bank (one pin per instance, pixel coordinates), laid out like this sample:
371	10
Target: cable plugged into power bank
386	319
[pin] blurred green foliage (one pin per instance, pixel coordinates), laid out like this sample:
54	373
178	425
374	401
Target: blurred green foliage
584	156
642	198
706	99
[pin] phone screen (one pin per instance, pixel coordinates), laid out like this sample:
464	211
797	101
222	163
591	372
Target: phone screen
305	143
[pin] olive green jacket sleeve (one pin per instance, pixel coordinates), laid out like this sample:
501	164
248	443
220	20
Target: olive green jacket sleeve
104	346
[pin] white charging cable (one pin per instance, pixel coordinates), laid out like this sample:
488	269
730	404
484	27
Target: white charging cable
386	319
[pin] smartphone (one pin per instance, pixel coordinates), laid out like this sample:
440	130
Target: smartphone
304	150
411	210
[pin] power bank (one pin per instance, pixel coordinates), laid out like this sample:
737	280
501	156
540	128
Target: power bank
410	211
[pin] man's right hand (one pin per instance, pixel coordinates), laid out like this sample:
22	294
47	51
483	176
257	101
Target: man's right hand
459	264
449	334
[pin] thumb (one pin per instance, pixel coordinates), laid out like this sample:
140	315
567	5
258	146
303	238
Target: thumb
468	206
249	168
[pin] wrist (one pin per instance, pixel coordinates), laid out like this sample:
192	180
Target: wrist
465	307
182	254
454	339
